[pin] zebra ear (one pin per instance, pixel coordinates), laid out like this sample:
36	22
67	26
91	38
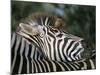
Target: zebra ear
58	23
23	26
19	27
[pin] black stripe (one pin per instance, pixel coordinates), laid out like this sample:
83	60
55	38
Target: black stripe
38	54
69	46
45	65
16	66
34	52
29	58
34	69
29	51
62	63
73	64
18	58
24	67
41	65
13	50
75	54
58	45
58	67
59	35
88	64
49	46
32	37
54	42
75	46
37	66
71	68
41	43
63	47
51	65
50	34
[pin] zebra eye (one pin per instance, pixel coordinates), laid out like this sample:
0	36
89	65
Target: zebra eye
44	30
54	30
41	35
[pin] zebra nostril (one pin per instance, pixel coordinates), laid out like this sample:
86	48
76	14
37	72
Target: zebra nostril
86	54
18	29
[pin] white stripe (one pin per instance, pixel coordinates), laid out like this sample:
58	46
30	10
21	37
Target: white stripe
80	53
45	47
85	66
47	41
42	21
21	51
92	64
54	66
76	49
72	66
25	35
67	66
16	48
56	48
13	39
43	65
76	65
35	66
60	49
36	53
52	49
26	53
37	61
48	48
32	53
46	21
62	68
47	64
67	44
72	46
32	67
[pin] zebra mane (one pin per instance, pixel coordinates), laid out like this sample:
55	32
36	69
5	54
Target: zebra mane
44	19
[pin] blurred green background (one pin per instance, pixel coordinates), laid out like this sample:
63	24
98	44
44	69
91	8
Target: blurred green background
79	19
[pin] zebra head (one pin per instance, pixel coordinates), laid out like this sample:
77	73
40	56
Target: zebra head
44	31
36	26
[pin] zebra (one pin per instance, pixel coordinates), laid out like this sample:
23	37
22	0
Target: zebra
26	58
45	32
20	49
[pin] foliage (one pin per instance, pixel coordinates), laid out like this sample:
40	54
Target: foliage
79	19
